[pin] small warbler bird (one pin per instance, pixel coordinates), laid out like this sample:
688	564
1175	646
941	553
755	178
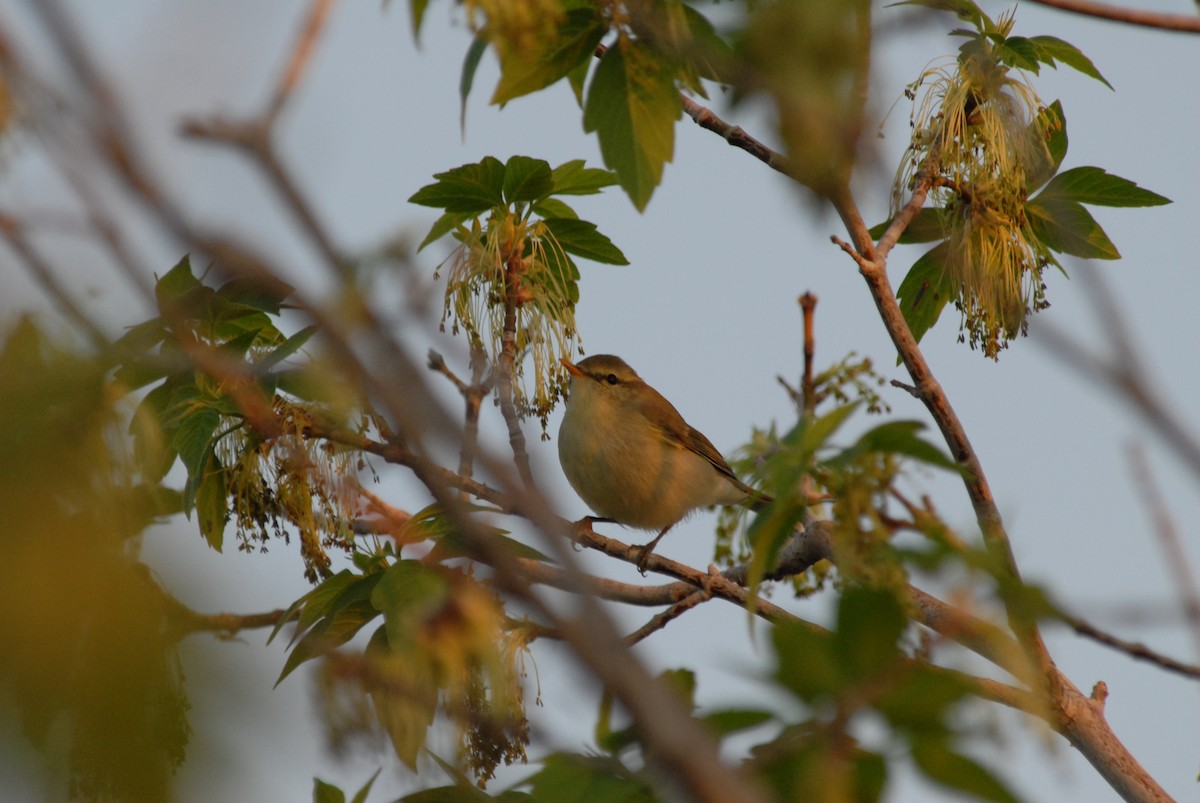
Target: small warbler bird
633	459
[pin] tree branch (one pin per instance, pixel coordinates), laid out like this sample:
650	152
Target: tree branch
1179	23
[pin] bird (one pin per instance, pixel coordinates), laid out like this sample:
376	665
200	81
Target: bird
633	459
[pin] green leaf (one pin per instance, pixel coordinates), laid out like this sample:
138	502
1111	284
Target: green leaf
407	595
332	632
212	502
573	178
525	70
259	295
177	283
925	227
194	435
1092	185
632	105
553	207
316	604
526	179
361	795
577	77
1067	227
470	189
900	437
807	661
964	9
708	54
922	701
287	348
1019	52
1051	48
814	434
443	226
1050	126
416	10
954	770
326	792
732	720
925	290
566	778
152	449
870	622
579	237
467	79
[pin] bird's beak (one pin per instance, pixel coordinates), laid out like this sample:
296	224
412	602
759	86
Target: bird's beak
571	367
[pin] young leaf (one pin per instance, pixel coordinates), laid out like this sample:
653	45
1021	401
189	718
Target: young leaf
443	226
956	771
407	595
1092	185
573	178
896	437
416	10
467	79
1051	126
553	207
925	290
212	505
733	720
175	284
287	348
870	622
579	237
327	793
925	227
332	632
1065	226
1051	48
470	189
709	55
526	179
807	662
632	105
527	70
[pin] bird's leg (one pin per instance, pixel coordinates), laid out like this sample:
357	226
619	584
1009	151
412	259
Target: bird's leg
646	550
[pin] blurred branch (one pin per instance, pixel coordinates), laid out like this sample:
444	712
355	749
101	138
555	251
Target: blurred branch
1123	373
1169	540
318	14
1130	16
14	234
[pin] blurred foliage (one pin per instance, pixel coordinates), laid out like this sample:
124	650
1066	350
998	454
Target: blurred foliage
89	660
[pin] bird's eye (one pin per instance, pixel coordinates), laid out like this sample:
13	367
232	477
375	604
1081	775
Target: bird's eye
612	379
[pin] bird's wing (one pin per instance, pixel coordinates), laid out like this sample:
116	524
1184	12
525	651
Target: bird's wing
674	429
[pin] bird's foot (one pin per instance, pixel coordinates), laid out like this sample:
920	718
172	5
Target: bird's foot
641	556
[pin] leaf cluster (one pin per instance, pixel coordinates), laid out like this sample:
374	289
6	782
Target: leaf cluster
513	280
985	144
216	360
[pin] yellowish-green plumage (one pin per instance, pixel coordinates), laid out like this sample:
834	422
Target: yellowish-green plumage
630	455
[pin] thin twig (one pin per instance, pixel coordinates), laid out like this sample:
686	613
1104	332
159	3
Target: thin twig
1132	648
1130	16
663	618
314	24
